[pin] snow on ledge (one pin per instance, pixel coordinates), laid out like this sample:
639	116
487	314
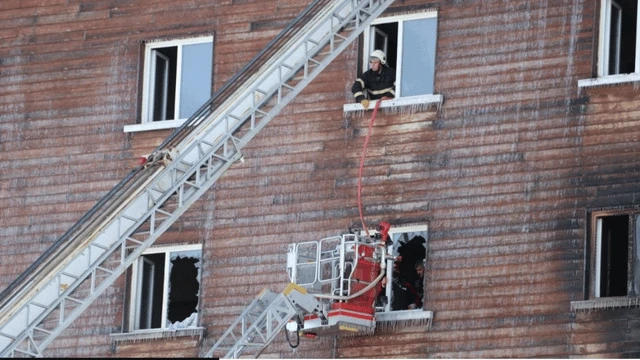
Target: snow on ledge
604	303
609	80
409	105
156	125
155	334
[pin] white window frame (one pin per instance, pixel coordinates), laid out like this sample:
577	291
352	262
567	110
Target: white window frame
603	76
134	304
398	315
430	100
149	65
400	19
400	230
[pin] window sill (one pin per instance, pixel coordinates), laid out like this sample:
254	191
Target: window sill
604	303
410	320
609	80
155	125
410	104
156	334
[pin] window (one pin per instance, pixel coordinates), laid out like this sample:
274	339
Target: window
618	51
614	254
165	288
409	42
405	281
177	78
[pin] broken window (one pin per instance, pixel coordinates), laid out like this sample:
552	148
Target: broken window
166	288
618	51
409	43
177	78
403	286
614	254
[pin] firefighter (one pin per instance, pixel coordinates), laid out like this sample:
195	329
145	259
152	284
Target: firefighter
379	81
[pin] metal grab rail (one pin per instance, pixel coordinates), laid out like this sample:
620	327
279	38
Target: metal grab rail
115	196
138	214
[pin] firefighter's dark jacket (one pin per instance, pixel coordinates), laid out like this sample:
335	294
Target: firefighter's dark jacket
377	84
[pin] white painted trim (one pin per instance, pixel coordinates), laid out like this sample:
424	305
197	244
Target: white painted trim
135	268
637	63
165	290
429	13
605	303
596	290
155	125
146	77
431	99
609	80
179	42
400	51
603	38
404	315
400	19
178	90
155	334
409	228
172	248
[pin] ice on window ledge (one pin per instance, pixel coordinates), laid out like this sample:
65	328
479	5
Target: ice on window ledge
191	321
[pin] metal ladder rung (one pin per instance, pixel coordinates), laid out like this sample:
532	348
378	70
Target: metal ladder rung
7	335
43	330
77	301
135	231
26	352
38	304
100	246
342	38
69	275
166	213
104	269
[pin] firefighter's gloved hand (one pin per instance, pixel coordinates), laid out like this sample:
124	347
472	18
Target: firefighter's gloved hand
365	103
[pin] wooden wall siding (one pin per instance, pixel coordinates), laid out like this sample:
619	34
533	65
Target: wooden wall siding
503	173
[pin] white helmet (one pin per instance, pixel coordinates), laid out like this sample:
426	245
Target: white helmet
379	54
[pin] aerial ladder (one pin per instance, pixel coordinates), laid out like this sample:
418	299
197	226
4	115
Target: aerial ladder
334	283
335	290
47	297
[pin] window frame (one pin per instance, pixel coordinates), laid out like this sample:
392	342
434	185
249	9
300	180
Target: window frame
399	230
414	103
595	242
400	19
602	66
135	288
148	80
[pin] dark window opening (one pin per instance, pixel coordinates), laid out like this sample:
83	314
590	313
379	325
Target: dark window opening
614	252
385	38
150	300
622	36
407	276
164	85
184	288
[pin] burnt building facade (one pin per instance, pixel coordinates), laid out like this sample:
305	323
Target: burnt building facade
511	146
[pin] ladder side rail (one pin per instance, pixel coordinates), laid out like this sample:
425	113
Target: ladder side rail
269	65
241	76
126	261
69	250
26	276
253	326
77	248
272	113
